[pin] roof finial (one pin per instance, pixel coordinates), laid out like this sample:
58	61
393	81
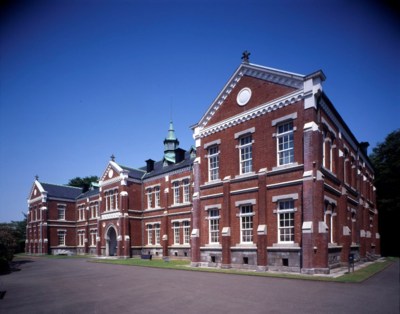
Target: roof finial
112	157
245	56
36	177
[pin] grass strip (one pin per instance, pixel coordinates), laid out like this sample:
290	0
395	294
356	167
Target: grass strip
353	277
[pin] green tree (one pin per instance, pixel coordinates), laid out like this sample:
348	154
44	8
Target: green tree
83	183
386	160
12	240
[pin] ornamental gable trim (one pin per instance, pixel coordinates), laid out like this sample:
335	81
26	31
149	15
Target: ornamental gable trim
265	108
275	76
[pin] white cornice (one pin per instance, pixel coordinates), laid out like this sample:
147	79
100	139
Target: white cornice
251	114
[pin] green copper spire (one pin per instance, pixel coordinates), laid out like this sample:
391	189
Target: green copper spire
171	143
171	132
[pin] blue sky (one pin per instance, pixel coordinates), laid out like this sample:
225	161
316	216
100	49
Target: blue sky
81	80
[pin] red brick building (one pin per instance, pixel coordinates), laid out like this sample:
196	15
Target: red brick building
275	181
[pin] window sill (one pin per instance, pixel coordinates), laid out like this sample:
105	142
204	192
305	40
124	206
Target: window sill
245	175
285	168
213	245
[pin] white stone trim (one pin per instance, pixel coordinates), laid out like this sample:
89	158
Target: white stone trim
293	196
209	144
247	131
216	206
288	117
245	202
251	114
307	227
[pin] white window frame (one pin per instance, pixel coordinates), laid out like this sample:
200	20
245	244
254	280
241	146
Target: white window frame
246	223
176	229
246	153
186	190
93	235
156	196
111	199
176	192
186	231
61	237
285	212
157	229
285	136
149	234
81	238
149	193
213	163
61	209
213	225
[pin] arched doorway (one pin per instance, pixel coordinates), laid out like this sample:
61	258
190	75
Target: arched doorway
111	248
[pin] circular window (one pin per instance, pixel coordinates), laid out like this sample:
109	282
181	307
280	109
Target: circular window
110	173
243	96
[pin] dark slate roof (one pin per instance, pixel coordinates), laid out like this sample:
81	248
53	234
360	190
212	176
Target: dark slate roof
159	168
61	191
134	173
91	192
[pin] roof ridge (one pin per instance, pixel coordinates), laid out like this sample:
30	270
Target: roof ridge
61	185
126	167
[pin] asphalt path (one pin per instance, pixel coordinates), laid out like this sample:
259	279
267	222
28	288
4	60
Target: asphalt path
46	285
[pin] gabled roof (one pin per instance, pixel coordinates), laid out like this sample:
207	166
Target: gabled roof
61	191
92	192
272	75
160	169
134	173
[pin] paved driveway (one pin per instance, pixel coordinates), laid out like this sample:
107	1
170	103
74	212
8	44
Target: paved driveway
77	286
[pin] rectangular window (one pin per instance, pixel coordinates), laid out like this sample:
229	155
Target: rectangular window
111	200
285	143
213	163
175	188
176	229
61	212
93	238
157	196
246	223
149	198
149	234
81	238
157	234
186	191
81	213
213	226
286	221
246	154
61	238
186	232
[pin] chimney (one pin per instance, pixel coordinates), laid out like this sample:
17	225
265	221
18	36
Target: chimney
364	148
179	155
149	165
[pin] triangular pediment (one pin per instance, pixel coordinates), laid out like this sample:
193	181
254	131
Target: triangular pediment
112	171
37	191
250	86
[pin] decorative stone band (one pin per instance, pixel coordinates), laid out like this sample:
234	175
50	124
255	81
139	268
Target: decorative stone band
111	215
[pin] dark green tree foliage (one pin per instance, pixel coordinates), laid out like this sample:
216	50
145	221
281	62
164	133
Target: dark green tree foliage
12	240
83	183
386	160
